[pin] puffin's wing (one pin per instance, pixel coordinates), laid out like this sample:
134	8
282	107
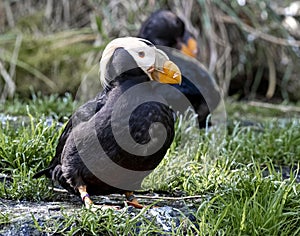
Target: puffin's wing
82	114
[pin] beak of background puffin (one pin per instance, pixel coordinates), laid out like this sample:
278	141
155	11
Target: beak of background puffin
164	70
189	47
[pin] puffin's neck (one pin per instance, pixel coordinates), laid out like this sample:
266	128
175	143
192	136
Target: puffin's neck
127	81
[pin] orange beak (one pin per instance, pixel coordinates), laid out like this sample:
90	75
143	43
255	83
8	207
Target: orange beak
169	74
164	70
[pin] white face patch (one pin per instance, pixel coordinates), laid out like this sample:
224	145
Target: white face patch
144	56
144	53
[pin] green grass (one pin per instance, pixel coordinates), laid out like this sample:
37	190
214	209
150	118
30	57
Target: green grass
53	106
24	149
245	111
5	218
251	204
242	191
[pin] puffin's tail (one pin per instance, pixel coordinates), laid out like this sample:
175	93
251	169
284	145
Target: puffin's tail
48	171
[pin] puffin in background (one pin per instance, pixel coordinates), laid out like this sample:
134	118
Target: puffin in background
111	143
166	29
168	32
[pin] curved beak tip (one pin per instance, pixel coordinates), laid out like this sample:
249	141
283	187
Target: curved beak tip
170	74
177	76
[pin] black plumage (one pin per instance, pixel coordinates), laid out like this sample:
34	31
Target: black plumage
163	28
167	30
95	153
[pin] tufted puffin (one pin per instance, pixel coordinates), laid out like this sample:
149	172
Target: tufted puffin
116	139
167	30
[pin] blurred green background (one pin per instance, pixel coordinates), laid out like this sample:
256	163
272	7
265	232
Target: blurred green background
251	47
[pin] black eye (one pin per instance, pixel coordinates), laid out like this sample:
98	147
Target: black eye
141	54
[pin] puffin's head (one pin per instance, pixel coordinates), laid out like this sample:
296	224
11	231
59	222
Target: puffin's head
166	29
133	55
